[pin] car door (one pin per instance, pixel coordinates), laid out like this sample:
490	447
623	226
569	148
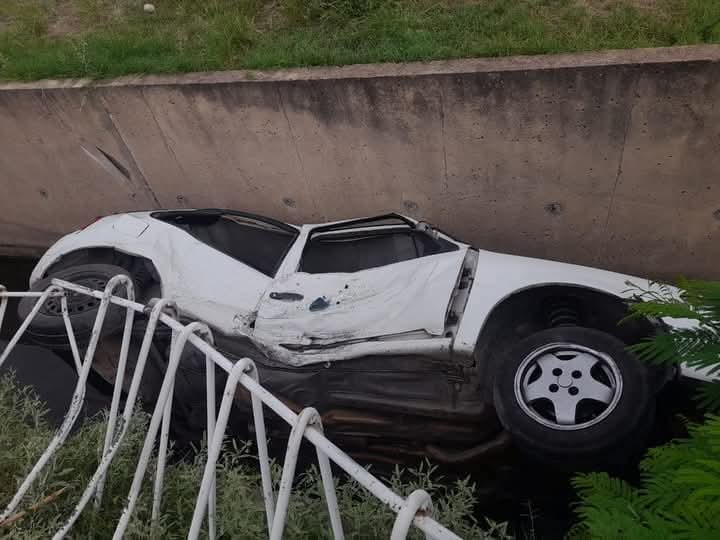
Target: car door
221	276
359	281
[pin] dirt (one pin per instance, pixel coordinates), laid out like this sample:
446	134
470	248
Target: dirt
64	24
68	18
603	7
269	15
65	19
6	23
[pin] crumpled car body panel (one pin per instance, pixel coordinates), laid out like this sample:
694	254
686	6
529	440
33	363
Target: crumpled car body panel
395	299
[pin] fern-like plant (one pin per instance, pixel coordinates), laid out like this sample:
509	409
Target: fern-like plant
697	342
679	494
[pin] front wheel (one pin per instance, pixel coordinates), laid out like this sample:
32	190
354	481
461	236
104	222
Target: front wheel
48	327
574	397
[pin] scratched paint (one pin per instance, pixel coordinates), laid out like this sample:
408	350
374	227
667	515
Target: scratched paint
394	299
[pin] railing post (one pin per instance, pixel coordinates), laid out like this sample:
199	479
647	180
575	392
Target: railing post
144	459
208	480
417	501
70	333
162	457
120	375
308	416
263	458
329	488
3	304
210	408
162	449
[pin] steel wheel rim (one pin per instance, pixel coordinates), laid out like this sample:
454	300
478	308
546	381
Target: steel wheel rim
547	396
76	303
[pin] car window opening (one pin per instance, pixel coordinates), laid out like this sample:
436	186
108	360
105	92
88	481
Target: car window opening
260	244
352	251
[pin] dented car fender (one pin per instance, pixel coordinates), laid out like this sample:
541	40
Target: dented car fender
201	280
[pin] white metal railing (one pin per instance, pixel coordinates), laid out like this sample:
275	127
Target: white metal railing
414	510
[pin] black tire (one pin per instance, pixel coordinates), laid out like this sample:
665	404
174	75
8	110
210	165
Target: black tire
611	437
48	327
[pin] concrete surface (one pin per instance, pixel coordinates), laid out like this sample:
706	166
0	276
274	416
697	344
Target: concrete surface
610	159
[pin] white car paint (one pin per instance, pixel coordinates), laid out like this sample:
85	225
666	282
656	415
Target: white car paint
404	297
498	276
202	281
394	309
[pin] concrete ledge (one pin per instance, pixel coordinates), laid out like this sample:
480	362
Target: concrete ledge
658	55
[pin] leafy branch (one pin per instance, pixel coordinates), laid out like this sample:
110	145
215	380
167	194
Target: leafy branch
679	495
693	339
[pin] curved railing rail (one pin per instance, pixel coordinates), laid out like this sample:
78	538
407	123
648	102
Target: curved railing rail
415	510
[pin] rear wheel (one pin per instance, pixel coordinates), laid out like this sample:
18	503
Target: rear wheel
48	326
574	396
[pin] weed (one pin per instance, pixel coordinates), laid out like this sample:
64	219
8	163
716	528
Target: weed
241	511
106	38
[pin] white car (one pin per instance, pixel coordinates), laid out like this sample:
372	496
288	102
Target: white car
394	330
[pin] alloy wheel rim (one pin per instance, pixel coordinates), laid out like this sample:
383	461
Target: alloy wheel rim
566	386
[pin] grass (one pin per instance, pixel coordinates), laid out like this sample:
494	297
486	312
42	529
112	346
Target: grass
241	513
106	38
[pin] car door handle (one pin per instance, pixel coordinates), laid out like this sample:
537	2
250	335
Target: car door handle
287	296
